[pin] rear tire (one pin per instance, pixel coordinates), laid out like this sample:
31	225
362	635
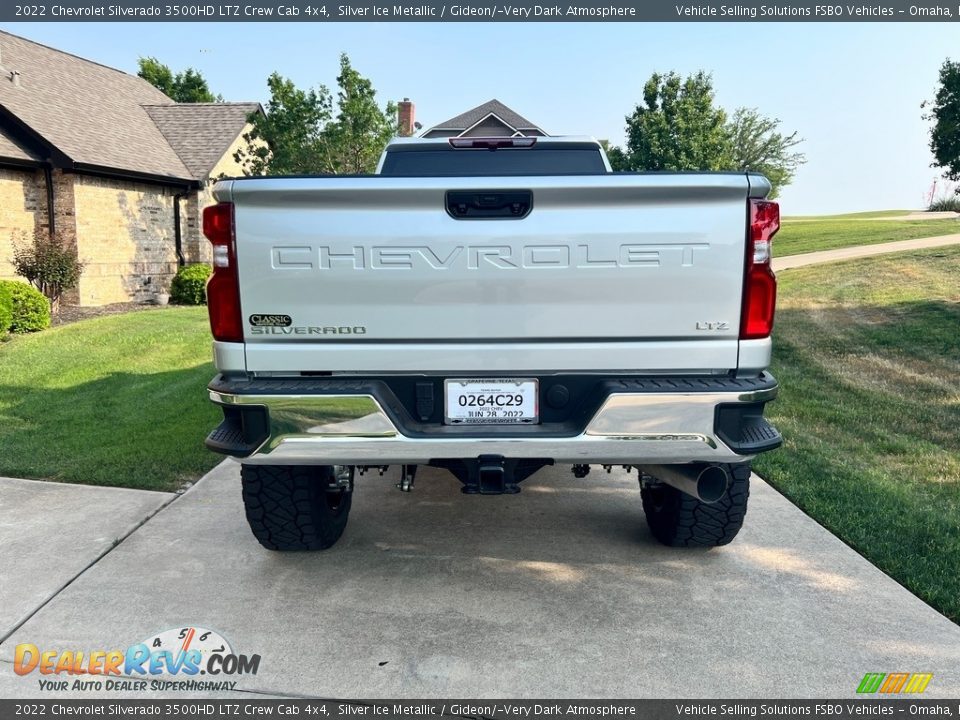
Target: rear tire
293	507
680	520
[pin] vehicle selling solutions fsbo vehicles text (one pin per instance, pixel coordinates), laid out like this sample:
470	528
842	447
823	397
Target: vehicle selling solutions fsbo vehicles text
819	11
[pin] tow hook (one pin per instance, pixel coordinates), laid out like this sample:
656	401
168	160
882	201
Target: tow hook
407	475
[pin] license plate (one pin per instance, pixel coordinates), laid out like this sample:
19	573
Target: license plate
491	402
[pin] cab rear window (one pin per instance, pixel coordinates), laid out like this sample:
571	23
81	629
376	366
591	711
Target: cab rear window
459	162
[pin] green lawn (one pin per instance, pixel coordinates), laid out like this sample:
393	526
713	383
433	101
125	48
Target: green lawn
852	216
803	235
868	356
117	400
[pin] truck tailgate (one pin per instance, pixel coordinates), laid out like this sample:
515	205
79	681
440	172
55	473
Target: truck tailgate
355	273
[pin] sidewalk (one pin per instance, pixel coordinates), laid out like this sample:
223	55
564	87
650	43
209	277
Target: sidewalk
856	251
51	532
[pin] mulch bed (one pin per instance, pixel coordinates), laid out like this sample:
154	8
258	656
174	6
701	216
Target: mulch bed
71	313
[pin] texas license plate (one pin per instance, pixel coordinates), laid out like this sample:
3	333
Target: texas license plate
494	401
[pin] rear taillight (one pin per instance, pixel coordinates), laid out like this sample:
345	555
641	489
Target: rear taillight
223	287
759	283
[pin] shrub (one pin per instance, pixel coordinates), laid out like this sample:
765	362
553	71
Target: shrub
943	196
6	308
945	203
30	309
46	263
189	286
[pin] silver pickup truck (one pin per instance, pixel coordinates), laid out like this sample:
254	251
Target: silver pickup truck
492	306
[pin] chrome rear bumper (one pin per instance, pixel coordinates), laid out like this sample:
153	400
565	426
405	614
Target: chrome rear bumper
628	428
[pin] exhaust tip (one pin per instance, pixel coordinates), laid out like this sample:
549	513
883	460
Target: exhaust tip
712	483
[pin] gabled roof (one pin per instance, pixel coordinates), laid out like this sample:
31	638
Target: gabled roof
12	148
200	133
94	117
91	113
481	112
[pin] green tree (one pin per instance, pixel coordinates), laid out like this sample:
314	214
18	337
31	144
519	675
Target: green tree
290	139
300	135
945	113
677	126
616	156
362	129
758	146
188	86
157	74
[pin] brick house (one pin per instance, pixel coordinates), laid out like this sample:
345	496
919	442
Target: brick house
119	170
491	119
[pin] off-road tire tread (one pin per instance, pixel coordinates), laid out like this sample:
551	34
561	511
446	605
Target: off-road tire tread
286	507
684	521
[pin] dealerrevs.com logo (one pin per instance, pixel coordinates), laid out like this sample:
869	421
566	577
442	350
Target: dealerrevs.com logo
172	660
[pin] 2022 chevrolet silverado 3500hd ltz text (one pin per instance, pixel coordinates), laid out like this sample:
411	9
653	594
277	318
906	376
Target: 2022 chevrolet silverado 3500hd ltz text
491	306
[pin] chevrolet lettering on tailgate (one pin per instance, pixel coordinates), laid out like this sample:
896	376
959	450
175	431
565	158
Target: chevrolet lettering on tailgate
492	306
560	257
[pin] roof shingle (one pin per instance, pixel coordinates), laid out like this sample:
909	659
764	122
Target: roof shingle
200	133
11	148
103	117
90	112
472	117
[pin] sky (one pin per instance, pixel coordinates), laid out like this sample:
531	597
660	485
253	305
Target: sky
852	90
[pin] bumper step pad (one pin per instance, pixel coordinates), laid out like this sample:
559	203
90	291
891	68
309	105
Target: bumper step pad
751	434
240	434
758	435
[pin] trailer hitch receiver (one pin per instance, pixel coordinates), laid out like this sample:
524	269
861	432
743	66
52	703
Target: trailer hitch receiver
492	476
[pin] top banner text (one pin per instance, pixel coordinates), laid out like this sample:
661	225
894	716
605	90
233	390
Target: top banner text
476	11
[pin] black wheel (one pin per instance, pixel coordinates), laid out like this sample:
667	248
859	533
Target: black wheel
293	507
680	520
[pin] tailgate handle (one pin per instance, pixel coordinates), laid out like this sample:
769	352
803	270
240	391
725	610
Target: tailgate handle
489	204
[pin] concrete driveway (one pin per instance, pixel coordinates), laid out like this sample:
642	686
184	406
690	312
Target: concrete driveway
51	532
559	591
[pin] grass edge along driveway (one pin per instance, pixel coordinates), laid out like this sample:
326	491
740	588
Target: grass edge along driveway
116	400
867	353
